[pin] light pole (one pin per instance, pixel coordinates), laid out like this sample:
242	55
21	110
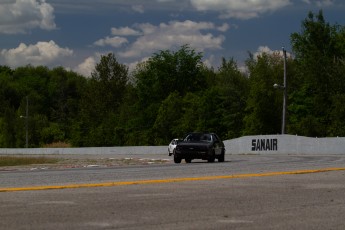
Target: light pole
284	88
285	94
26	122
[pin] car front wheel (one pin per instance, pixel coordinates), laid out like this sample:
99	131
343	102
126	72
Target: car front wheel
177	160
212	157
221	157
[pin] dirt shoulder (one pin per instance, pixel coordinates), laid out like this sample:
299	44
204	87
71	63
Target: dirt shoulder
90	161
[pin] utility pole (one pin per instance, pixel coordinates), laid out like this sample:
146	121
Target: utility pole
285	95
26	123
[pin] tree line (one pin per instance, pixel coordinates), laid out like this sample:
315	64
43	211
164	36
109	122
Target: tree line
173	93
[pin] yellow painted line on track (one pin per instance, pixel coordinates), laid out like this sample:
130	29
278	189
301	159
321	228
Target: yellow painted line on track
171	180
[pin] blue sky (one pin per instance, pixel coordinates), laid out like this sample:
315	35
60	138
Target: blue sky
74	34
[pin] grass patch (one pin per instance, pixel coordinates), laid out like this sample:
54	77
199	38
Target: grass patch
14	161
57	145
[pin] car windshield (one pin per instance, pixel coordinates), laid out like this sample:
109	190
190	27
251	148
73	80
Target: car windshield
198	137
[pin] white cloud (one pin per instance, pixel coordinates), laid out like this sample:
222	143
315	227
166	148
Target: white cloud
138	8
112	41
42	53
173	34
320	3
150	38
146	28
132	66
241	9
124	31
117	40
210	61
324	3
223	28
86	67
20	16
265	49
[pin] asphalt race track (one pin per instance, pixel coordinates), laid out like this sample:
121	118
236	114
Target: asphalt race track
244	192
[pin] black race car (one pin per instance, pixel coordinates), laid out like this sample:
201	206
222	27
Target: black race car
200	145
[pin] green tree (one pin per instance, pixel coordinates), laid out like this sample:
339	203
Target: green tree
167	72
54	97
100	103
263	110
318	52
65	89
162	75
167	118
233	88
51	134
8	129
190	116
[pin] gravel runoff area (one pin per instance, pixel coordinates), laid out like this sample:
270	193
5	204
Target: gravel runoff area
71	161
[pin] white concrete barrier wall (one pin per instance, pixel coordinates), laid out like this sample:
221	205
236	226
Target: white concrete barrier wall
285	144
133	150
262	144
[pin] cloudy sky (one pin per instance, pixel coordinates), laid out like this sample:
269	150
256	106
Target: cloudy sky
74	33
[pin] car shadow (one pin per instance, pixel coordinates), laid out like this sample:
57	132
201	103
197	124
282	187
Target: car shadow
206	162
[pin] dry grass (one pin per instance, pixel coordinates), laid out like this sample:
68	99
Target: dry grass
58	145
14	161
31	162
